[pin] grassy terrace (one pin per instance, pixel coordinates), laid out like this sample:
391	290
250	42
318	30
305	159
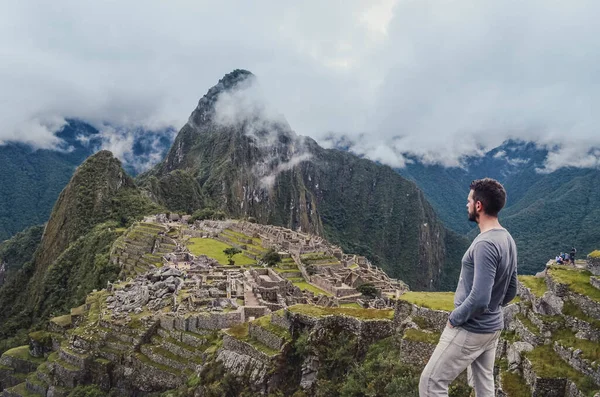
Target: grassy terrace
303	285
22	353
62	321
537	285
417	335
528	324
363	314
240	332
431	300
265	322
577	280
589	350
214	249
571	309
514	385
547	364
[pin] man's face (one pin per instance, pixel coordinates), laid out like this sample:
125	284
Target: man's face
473	215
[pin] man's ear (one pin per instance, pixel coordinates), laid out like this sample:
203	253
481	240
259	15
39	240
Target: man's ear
478	206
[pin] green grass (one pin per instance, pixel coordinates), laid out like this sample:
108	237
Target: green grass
352	305
416	335
363	314
62	321
21	389
547	364
265	322
421	322
162	367
431	300
303	285
214	249
240	332
589	350
537	285
514	385
571	309
22	353
577	281
528	324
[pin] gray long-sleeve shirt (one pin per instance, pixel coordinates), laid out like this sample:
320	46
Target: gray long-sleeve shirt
488	281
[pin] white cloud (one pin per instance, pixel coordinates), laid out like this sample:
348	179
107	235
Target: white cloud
434	80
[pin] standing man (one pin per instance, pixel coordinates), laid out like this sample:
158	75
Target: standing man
573	252
488	281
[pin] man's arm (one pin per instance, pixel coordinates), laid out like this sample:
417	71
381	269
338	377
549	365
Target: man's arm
511	292
485	261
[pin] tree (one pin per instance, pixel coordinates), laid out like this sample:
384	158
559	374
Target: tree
271	257
231	252
368	290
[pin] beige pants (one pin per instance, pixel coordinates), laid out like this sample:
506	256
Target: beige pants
457	350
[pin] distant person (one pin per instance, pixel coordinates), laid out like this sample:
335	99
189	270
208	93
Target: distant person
573	253
562	255
488	281
559	260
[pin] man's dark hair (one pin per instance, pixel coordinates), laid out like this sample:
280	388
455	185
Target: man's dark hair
491	193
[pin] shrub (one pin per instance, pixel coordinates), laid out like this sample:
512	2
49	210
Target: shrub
368	290
271	257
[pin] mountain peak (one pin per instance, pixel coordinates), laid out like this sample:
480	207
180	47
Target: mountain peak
237	78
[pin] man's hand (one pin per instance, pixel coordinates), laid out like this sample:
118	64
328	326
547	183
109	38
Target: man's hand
449	325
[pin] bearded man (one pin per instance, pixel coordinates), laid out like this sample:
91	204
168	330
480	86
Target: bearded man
488	281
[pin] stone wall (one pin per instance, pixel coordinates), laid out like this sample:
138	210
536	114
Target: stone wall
587	305
574	359
281	320
595	281
266	337
584	329
561	290
416	353
241	347
542	387
253	311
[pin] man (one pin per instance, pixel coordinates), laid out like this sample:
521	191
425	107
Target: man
573	252
488	281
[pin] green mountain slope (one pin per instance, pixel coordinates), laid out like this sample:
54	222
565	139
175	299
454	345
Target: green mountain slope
72	257
250	164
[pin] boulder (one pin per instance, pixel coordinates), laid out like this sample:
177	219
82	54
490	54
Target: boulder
513	355
549	304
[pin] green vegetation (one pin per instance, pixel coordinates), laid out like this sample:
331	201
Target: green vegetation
528	324
207	213
571	309
514	385
589	350
87	391
352	305
363	314
595	254
368	290
214	249
265	322
231	252
547	364
22	352
577	281
416	335
271	258
537	285
303	285
19	250
431	300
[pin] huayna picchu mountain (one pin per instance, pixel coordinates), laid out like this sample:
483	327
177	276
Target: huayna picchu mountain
235	154
72	257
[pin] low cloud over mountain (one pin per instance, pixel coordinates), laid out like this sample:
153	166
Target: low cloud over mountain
436	81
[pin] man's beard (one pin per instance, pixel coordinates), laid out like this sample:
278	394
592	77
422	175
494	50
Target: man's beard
473	217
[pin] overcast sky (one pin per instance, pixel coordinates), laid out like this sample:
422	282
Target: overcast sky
437	79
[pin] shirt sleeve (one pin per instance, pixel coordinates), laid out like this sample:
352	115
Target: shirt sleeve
511	292
485	262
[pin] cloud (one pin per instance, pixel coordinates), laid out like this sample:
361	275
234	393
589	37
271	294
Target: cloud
246	107
401	79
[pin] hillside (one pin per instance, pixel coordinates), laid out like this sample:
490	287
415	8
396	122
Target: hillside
190	325
234	155
31	180
72	257
546	212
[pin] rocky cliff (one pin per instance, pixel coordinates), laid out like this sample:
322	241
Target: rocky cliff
236	154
